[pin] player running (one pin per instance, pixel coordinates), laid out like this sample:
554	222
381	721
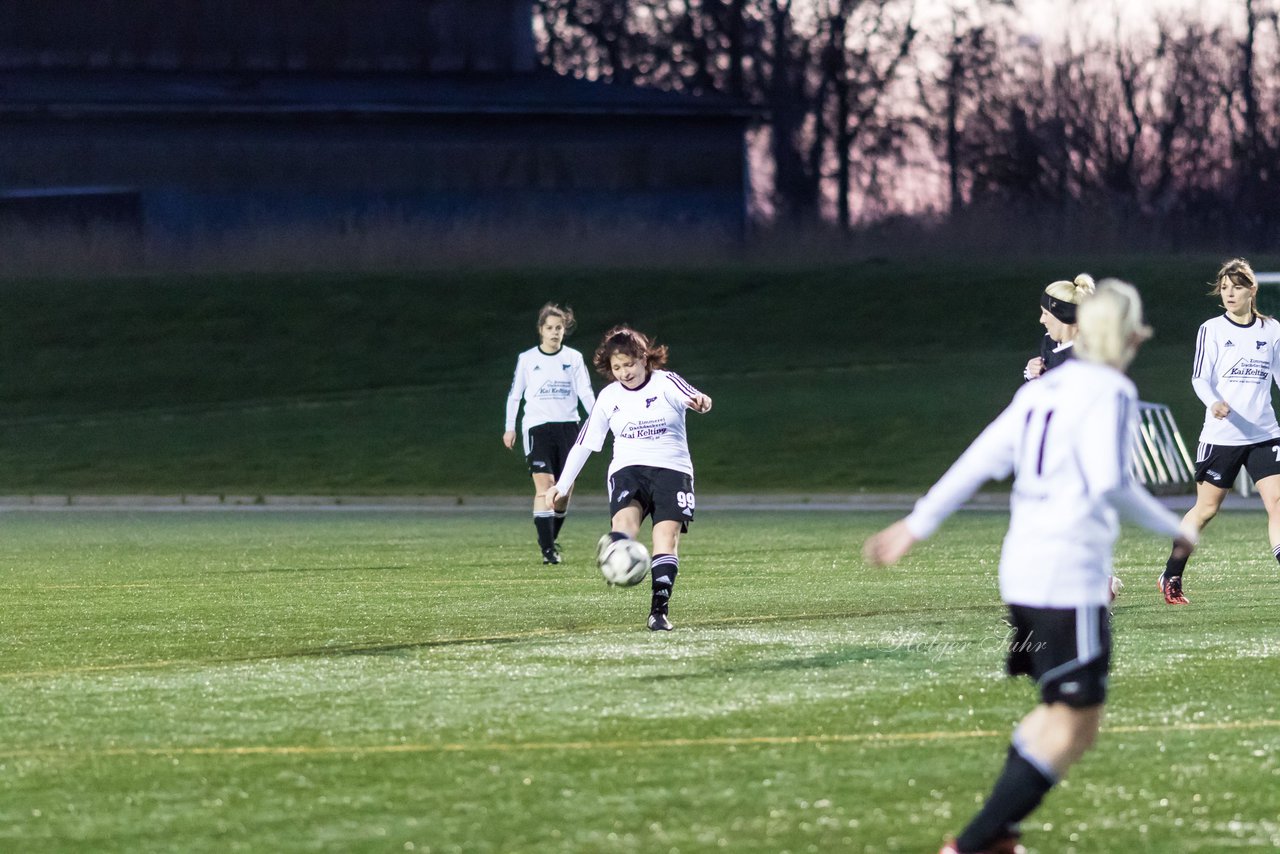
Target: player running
1235	365
1066	438
551	380
651	473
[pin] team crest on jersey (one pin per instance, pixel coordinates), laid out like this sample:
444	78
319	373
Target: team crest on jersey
564	366
1261	344
649	400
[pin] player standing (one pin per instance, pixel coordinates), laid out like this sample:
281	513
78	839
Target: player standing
1236	361
651	473
1059	303
1067	440
551	379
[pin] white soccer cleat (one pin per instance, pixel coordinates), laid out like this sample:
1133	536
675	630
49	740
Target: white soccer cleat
1115	584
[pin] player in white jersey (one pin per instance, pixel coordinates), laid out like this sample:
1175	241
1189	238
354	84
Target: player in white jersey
651	473
1058	305
550	380
1237	356
1066	438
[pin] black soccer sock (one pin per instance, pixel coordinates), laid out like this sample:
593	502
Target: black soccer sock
664	569
559	517
1019	790
1175	565
544	523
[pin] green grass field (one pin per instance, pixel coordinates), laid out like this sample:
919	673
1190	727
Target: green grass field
346	681
396	384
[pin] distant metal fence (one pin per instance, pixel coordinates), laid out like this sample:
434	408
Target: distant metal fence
1160	458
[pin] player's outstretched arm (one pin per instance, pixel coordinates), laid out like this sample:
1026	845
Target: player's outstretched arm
890	545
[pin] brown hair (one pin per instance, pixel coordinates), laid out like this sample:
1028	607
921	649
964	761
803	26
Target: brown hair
1241	274
627	341
563	312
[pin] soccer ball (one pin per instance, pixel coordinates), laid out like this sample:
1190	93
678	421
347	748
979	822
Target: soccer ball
624	563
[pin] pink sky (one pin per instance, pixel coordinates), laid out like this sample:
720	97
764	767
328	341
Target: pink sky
1098	17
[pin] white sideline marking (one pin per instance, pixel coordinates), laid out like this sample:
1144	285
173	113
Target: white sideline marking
849	503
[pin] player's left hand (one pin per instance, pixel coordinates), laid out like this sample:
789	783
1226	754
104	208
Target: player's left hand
701	403
890	545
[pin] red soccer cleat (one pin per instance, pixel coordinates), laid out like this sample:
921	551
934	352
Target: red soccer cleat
1172	590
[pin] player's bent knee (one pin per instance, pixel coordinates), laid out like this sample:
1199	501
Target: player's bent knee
1205	513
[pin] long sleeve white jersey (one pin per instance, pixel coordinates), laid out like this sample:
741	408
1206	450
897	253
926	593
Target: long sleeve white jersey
647	423
1237	364
550	384
1067	439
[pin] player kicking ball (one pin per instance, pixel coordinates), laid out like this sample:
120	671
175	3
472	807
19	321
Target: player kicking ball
651	473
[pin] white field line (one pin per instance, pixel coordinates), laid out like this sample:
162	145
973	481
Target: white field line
449	505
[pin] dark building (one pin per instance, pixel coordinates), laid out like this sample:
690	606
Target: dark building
207	116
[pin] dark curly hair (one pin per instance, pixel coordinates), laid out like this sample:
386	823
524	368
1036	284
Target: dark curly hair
627	341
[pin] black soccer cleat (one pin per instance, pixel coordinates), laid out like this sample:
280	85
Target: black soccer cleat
550	556
658	622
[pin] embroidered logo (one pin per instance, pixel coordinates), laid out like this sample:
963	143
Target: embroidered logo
615	411
1260	344
566	367
1229	343
1213	474
649	400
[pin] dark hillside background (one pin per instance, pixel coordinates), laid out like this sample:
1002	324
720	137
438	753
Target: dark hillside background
867	376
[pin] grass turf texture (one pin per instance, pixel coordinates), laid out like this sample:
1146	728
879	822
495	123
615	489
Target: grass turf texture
382	384
288	681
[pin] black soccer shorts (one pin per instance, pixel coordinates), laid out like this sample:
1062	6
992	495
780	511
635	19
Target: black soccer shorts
1220	464
1066	650
549	446
665	495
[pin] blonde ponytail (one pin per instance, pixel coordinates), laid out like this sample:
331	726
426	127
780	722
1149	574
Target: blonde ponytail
1111	326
